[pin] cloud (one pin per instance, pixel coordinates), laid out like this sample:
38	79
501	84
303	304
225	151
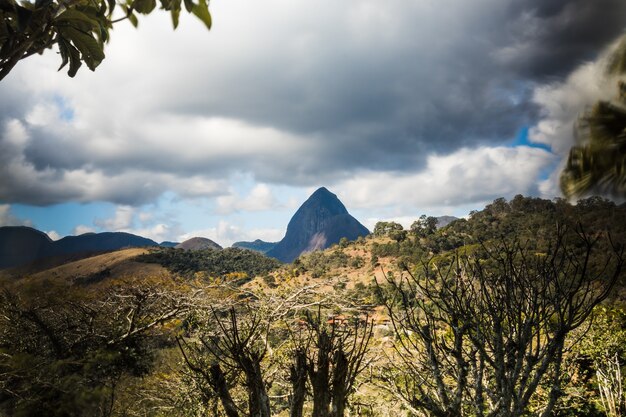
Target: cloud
7	218
550	38
82	229
308	94
139	222
562	103
260	198
54	235
468	176
158	232
121	220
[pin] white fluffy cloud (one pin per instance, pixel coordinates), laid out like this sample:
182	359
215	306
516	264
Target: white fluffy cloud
464	177
121	220
81	229
260	198
7	218
52	234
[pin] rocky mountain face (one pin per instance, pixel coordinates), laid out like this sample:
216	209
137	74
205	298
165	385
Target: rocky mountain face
319	223
258	245
198	243
22	245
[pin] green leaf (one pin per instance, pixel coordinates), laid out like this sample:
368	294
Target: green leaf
91	51
75	16
68	51
24	17
104	34
174	7
133	19
189	6
144	6
201	10
112	4
64	54
175	14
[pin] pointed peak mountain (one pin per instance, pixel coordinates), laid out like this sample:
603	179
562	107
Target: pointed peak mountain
319	223
324	200
321	193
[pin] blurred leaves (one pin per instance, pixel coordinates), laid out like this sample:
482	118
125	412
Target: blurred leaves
598	163
79	28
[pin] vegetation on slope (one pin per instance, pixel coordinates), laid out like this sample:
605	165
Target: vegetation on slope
511	312
212	263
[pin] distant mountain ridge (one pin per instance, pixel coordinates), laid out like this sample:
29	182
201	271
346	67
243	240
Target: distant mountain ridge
321	221
20	245
198	243
443	221
258	245
168	244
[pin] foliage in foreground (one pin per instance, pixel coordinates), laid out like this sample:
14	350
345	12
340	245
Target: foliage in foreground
479	334
597	163
79	28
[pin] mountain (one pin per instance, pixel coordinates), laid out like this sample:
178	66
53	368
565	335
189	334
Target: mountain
443	221
319	223
22	245
258	245
168	244
99	242
198	243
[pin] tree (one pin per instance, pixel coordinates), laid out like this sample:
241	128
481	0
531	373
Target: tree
605	344
231	343
64	352
479	333
79	28
332	354
424	226
385	228
598	163
238	349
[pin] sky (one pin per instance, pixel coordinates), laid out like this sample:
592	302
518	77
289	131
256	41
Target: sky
401	108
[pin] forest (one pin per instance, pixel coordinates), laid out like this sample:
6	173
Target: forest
517	310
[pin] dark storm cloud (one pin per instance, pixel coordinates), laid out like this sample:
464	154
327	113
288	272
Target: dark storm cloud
440	82
549	38
307	94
